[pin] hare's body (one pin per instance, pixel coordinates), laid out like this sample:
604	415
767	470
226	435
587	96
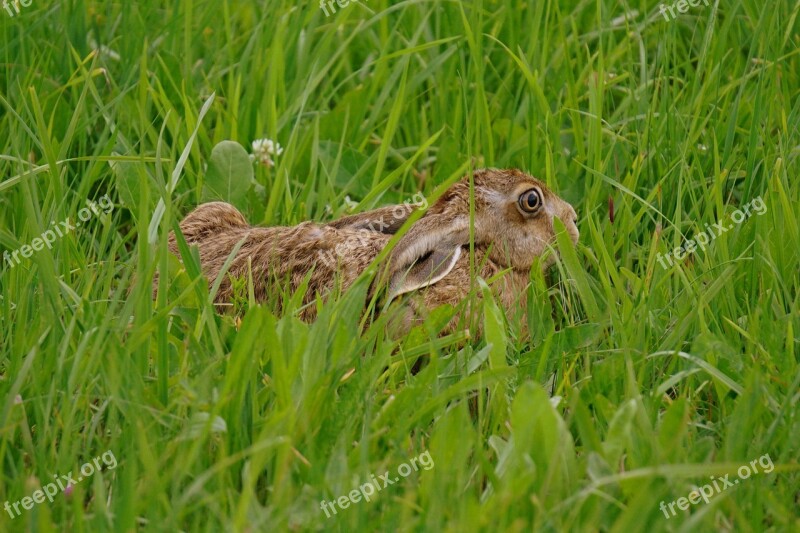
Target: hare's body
277	255
513	226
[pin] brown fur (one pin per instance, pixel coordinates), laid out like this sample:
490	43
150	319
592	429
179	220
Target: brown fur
337	253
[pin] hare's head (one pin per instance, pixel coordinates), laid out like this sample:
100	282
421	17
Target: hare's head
514	216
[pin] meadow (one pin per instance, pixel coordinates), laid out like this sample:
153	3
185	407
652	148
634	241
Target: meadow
639	382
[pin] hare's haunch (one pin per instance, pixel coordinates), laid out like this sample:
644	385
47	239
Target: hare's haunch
514	216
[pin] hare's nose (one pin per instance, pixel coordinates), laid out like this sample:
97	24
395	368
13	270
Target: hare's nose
572	215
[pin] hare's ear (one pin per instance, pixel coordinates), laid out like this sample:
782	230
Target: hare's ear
387	219
427	253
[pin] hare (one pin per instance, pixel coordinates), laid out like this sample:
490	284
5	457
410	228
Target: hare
513	225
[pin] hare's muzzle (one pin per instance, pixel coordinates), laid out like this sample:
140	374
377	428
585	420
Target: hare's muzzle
570	219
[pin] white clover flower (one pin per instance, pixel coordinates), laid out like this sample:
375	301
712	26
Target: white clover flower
103	50
263	150
350	203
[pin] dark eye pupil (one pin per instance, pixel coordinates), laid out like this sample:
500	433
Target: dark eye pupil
529	201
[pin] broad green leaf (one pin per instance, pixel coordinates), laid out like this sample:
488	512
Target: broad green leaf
229	174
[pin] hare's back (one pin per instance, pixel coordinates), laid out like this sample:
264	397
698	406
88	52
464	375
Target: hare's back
277	255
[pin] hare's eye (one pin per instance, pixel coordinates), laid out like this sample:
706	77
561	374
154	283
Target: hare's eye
530	201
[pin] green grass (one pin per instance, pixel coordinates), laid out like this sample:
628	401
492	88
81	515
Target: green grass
637	384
